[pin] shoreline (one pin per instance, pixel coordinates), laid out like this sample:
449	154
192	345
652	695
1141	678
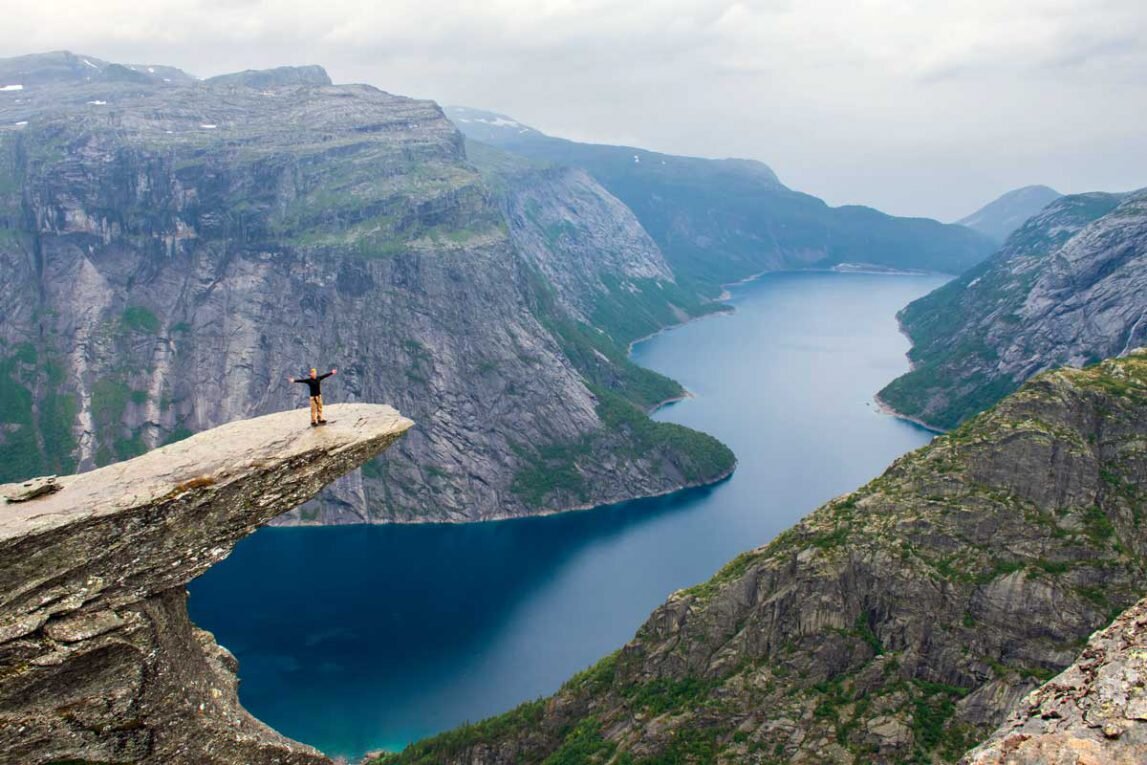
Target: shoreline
686	394
721	477
881	406
727	295
885	408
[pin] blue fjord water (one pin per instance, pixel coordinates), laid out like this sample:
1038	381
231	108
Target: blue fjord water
367	637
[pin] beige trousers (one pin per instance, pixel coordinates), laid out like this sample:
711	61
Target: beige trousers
316	409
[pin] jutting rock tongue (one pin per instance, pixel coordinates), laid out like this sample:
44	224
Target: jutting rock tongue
98	659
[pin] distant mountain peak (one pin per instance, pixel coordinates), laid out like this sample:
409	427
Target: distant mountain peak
1000	217
64	67
507	133
477	123
282	75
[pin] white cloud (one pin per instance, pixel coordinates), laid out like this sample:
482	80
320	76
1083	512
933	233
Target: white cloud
918	106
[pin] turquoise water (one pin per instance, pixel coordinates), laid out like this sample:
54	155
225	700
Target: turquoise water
366	637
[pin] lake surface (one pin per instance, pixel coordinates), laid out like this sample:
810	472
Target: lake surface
367	637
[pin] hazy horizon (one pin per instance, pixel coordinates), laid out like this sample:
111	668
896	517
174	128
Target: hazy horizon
913	110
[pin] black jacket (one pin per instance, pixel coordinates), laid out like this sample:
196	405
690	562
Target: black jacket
314	383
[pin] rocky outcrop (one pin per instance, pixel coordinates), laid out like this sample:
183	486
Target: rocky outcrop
98	659
1093	713
1003	215
899	623
272	78
171	252
1068	288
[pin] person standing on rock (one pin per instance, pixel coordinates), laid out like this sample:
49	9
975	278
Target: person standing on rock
315	383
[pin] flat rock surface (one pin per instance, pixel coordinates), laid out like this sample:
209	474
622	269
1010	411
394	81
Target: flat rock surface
99	661
203	460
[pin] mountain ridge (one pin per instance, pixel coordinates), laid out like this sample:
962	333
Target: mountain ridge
721	221
898	623
174	251
1007	212
1066	288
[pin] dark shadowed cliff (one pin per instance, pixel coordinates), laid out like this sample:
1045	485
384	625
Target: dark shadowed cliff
173	249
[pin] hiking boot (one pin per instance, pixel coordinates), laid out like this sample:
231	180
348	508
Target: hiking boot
322	422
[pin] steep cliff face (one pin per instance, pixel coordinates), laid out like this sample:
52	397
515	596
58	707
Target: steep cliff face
895	624
172	251
1003	215
98	659
719	221
1069	287
604	267
1095	711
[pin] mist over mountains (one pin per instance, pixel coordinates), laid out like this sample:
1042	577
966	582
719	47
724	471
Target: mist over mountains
720	221
174	248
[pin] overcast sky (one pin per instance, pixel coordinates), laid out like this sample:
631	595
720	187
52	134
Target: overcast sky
917	107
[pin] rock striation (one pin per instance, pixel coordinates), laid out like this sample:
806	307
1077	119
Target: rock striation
601	263
98	659
172	250
897	624
1093	713
1068	287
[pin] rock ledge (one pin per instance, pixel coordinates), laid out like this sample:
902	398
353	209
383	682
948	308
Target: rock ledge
98	659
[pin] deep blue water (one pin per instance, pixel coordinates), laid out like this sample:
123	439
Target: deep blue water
365	637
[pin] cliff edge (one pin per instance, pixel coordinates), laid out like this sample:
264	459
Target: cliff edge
99	661
1095	711
900	623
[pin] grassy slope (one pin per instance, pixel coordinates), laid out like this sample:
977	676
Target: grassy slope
955	333
720	221
726	671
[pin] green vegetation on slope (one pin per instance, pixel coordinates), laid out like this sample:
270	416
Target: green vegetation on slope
35	436
720	221
974	567
625	392
641	307
575	223
959	330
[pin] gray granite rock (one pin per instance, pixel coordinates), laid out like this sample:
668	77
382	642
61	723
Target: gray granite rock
172	251
1068	288
1092	713
98	659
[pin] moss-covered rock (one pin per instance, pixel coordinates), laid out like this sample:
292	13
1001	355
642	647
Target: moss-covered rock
896	624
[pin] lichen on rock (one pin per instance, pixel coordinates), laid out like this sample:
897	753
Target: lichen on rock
1095	711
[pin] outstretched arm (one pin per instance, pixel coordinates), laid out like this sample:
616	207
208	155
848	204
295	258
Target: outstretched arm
328	374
